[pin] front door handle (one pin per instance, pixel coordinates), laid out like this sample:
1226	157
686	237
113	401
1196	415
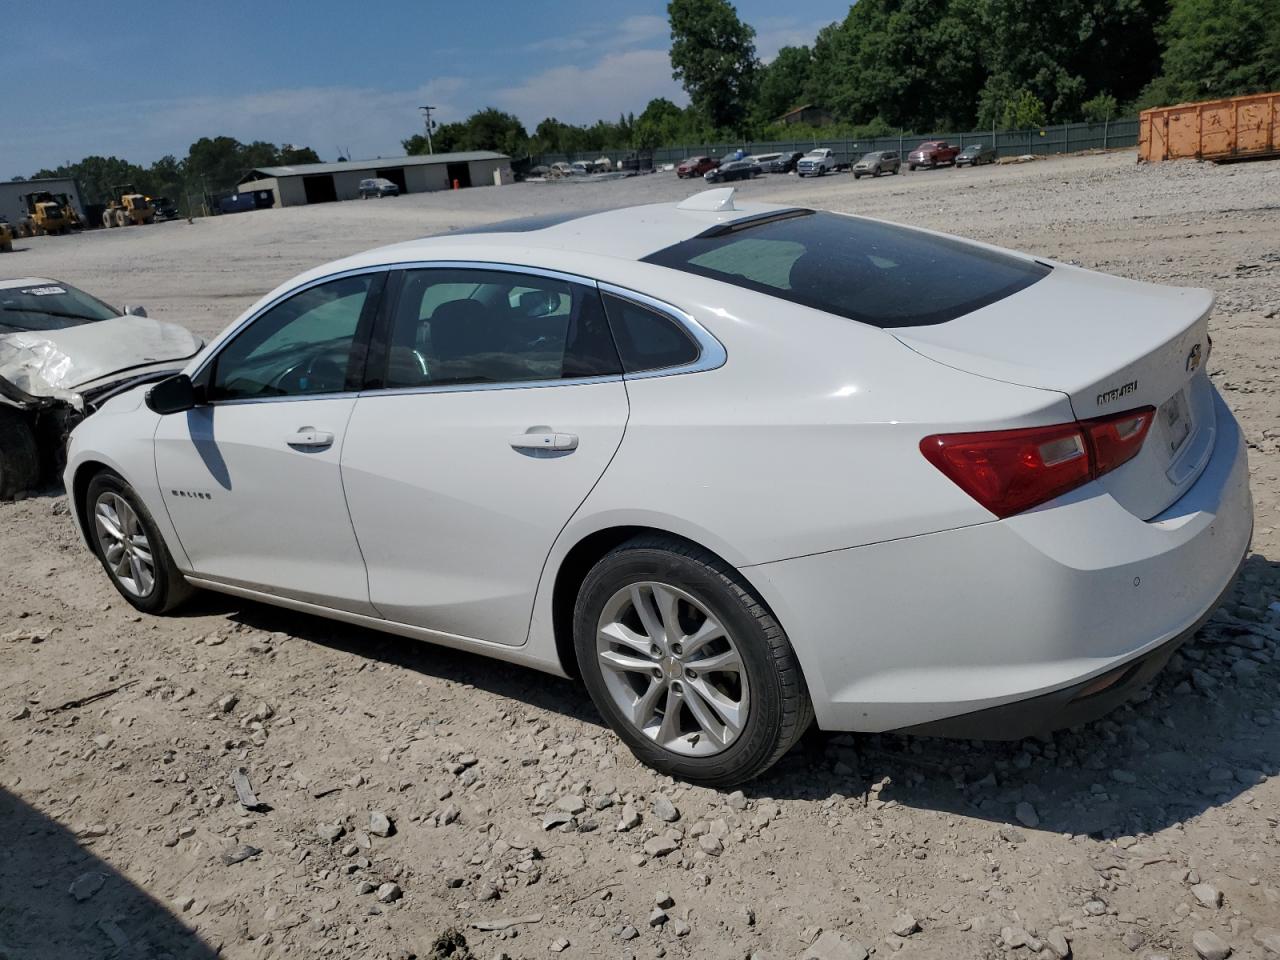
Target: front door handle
545	441
309	438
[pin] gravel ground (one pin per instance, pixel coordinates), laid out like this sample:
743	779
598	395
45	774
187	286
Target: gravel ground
414	801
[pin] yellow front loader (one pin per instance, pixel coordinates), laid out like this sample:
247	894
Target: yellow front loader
45	215
131	208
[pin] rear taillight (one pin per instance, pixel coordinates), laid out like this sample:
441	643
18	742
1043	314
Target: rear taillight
1008	471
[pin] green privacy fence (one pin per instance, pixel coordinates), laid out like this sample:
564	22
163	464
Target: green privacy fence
1062	138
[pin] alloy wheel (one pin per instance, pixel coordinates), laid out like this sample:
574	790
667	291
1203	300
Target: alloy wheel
672	669
124	544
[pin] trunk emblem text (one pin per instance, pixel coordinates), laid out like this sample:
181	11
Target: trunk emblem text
1107	396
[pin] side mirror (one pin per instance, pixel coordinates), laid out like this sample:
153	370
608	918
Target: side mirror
134	311
173	395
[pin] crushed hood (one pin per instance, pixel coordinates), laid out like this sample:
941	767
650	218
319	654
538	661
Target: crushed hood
53	363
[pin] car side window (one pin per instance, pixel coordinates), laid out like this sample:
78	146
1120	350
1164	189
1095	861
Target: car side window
458	326
647	339
301	346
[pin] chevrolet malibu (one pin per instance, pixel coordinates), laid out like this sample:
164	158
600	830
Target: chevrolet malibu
734	466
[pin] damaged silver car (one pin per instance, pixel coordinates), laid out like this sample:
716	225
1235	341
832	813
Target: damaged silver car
62	354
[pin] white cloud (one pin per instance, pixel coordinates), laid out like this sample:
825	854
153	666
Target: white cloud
616	83
630	32
368	122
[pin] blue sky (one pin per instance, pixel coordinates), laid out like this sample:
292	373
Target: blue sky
329	74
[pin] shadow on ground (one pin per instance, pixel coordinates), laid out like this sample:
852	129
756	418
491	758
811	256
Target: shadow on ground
41	863
1205	731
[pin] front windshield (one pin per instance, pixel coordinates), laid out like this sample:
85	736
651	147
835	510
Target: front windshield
49	306
871	156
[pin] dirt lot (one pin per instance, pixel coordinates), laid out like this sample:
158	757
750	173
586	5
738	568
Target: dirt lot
1144	835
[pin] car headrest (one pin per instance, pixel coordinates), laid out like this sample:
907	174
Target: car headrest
462	328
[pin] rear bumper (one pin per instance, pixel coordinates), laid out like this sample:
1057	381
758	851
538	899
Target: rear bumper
908	632
1071	706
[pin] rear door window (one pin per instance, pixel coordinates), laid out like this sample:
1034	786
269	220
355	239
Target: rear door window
875	273
455	327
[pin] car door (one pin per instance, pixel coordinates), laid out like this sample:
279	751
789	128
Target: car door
251	476
500	405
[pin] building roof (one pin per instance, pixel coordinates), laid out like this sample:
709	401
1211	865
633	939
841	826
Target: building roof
36	182
379	163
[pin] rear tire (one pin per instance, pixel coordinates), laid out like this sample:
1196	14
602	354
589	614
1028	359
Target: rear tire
727	725
135	550
19	456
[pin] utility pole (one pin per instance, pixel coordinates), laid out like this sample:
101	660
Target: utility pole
426	112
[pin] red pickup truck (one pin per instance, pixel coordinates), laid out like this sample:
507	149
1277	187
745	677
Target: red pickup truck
932	153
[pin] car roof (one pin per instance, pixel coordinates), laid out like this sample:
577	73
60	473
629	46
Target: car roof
26	282
627	233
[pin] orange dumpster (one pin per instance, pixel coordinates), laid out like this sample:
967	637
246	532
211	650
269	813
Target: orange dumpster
1237	128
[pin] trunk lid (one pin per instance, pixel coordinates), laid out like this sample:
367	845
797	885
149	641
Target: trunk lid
1110	345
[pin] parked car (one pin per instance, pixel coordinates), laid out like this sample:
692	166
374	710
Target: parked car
786	163
780	466
877	162
816	163
695	167
733	170
560	169
582	168
378	187
932	153
975	154
765	161
63	352
166	209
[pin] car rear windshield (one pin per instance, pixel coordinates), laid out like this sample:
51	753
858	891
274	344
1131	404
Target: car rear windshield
875	273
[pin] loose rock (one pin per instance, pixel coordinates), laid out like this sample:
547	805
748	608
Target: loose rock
832	945
1210	946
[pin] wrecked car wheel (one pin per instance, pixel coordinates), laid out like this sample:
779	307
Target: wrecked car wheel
19	459
125	538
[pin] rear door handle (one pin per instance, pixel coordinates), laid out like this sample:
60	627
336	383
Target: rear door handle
545	441
310	438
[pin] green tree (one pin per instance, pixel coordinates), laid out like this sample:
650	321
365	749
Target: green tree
783	84
1100	108
291	154
491	129
713	54
99	177
1217	48
1023	111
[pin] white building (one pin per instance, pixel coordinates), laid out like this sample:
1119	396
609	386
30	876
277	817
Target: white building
322	182
12	192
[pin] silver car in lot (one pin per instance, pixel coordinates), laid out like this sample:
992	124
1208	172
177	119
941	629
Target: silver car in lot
877	162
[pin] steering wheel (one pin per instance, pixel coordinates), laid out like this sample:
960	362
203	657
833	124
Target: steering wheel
318	374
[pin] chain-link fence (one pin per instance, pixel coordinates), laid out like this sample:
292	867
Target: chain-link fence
1039	141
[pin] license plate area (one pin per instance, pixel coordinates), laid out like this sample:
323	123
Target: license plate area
1175	422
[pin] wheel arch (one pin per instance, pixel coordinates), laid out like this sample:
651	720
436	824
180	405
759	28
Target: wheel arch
587	552
80	480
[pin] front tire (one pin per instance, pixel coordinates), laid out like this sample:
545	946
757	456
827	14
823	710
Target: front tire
686	664
19	456
128	543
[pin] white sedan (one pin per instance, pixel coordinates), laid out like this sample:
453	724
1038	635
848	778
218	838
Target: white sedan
735	467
